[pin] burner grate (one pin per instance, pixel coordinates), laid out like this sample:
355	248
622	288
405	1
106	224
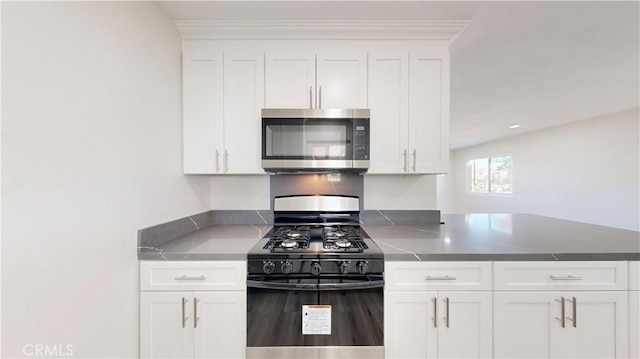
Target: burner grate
289	238
343	238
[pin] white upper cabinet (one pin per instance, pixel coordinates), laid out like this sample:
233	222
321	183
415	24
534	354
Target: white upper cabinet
428	112
290	80
389	104
223	92
202	112
409	101
304	79
243	102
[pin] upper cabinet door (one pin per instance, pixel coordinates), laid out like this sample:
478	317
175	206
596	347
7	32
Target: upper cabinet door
428	112
389	100
243	101
202	111
290	80
342	80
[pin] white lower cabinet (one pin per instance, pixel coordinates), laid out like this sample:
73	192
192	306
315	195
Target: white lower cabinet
554	320
192	324
450	321
535	325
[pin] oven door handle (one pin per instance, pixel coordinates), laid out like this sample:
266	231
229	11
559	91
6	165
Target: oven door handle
314	286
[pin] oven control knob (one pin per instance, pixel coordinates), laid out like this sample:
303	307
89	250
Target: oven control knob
363	267
287	267
268	267
344	267
316	268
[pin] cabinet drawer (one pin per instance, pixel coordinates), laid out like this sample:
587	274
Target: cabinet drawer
560	275
634	275
438	275
196	275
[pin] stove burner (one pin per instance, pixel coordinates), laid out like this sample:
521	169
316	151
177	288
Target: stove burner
290	243
343	243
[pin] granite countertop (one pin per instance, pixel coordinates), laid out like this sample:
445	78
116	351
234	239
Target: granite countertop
507	237
462	237
216	242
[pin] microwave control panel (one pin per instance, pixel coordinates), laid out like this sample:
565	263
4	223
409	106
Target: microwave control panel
360	139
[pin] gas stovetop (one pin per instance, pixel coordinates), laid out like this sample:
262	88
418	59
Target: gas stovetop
331	238
316	234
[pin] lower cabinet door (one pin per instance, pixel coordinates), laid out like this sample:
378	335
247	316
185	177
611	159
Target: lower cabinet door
411	325
560	324
220	324
527	324
166	325
465	325
596	326
438	324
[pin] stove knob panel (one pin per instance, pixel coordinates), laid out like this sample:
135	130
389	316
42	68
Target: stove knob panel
363	267
268	267
345	267
287	267
316	268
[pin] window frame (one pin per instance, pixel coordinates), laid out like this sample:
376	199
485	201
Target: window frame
489	157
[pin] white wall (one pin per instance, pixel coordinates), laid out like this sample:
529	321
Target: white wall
91	152
587	171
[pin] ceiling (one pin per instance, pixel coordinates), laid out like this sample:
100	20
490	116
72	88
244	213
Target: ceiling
536	64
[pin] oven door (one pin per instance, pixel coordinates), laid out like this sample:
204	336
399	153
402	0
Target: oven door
327	316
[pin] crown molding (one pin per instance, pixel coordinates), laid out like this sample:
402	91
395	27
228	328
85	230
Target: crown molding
317	29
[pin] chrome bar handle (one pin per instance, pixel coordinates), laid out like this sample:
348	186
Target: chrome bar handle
446	277
184	317
319	96
217	161
562	314
435	312
414	159
574	312
569	277
195	312
310	96
446	318
405	159
226	161
184	277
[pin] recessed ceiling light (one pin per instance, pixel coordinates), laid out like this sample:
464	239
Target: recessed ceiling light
514	126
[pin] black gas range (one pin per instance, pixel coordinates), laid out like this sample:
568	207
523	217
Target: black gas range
316	235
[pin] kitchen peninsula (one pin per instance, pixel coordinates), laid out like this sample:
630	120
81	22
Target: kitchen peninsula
460	285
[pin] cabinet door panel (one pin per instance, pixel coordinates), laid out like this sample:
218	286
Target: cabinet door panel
388	100
290	80
409	328
221	328
243	101
465	330
428	112
600	330
161	325
203	112
342	80
526	325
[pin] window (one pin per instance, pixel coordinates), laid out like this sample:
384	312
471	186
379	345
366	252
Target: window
491	175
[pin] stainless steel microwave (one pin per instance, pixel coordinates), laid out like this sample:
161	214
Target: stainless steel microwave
315	140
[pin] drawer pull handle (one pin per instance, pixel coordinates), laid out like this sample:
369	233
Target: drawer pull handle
184	277
446	277
569	277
